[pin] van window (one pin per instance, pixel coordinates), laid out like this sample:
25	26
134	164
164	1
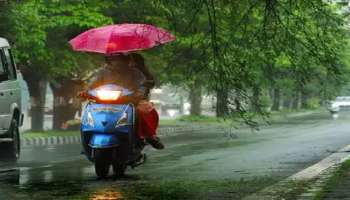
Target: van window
10	64
2	68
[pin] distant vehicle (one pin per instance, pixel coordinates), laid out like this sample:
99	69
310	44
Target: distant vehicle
11	116
342	102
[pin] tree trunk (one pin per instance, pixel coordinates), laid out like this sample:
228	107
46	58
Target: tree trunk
296	99
182	105
65	105
38	95
276	99
304	99
37	84
61	114
256	107
196	98
286	102
222	103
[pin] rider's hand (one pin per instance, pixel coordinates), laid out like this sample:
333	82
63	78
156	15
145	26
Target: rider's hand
82	94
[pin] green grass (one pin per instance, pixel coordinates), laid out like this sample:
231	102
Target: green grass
337	179
32	134
212	120
196	190
149	190
192	119
168	122
292	190
199	118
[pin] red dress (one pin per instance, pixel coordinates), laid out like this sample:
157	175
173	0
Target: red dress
148	120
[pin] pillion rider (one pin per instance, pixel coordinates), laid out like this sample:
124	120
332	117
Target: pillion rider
130	71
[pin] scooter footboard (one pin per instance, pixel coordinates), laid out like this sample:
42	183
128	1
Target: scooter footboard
103	141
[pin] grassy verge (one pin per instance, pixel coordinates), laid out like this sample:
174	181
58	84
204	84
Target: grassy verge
131	190
271	117
337	179
168	122
189	119
195	190
181	121
292	190
49	134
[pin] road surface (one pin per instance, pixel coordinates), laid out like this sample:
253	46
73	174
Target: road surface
275	152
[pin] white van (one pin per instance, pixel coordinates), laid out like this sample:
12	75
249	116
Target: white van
340	103
11	116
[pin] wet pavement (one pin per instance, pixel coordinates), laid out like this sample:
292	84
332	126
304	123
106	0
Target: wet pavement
277	151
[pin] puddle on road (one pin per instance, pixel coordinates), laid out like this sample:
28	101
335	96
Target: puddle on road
50	183
107	194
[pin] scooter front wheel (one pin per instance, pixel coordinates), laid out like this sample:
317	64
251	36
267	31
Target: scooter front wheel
119	169
102	162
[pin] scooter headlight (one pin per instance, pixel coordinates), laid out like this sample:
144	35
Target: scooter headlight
90	119
108	95
123	120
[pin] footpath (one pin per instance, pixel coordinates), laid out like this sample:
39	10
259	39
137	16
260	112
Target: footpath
328	179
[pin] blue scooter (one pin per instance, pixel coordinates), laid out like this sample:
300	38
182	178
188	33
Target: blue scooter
108	130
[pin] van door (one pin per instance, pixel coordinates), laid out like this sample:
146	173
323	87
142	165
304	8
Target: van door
3	103
9	89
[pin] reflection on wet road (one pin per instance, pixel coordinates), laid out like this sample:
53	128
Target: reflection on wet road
60	172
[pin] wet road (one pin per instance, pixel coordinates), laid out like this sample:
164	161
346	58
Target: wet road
277	151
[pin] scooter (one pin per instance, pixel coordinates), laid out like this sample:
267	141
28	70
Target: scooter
108	130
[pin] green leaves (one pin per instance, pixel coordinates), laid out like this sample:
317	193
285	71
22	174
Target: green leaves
232	46
41	31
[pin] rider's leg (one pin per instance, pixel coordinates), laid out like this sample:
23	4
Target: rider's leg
147	127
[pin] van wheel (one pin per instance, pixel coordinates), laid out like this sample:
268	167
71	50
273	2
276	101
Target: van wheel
11	150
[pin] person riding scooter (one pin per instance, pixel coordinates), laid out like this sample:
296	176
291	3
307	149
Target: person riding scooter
130	71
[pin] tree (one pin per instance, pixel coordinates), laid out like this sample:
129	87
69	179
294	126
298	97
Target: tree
237	50
40	31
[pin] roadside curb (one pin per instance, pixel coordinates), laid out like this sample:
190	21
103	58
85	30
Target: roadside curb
76	139
318	184
52	140
332	160
324	175
318	173
162	132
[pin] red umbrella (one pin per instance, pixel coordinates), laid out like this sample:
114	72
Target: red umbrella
121	38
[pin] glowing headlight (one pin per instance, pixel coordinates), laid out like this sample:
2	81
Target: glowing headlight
108	95
123	120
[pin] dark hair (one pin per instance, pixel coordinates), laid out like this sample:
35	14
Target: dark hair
138	60
122	57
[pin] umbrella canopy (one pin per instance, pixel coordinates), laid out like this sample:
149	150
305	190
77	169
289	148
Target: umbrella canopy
120	38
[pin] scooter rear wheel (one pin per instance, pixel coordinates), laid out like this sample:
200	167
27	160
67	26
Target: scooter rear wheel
102	162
